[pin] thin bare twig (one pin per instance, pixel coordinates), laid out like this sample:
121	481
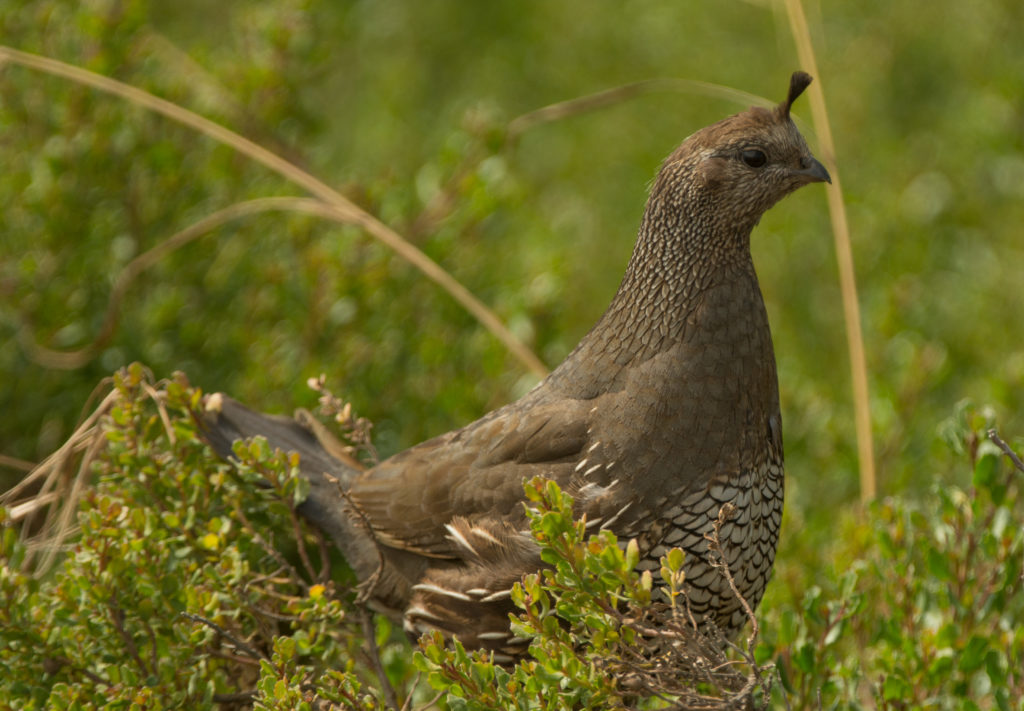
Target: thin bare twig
117	617
432	703
268	548
238	644
715	545
412	692
373	655
325	556
1007	450
76	442
15	463
619	94
355	430
238	697
300	542
158	400
52	664
367	586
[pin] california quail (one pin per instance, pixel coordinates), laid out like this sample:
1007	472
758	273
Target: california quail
666	410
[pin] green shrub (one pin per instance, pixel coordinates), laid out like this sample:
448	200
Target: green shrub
929	612
187	582
599	638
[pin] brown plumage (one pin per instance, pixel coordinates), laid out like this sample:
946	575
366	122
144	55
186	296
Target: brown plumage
666	410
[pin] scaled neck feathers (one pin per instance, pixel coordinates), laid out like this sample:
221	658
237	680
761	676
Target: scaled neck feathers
683	251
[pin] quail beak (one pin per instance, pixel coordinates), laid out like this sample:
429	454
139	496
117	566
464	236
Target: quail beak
813	171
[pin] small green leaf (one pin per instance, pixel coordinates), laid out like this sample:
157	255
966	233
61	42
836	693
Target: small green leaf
804	658
646	581
938	564
986	468
632	554
973	655
896	689
674	559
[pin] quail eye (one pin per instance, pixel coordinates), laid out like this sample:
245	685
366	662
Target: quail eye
754	157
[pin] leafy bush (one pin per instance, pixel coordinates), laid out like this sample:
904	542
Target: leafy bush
188	582
191	582
598	636
928	611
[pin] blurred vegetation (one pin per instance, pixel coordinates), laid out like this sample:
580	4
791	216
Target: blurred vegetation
405	106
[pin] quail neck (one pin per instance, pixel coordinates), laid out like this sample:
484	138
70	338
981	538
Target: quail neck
693	250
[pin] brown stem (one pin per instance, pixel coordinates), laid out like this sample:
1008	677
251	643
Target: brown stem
994	436
235	642
373	655
117	618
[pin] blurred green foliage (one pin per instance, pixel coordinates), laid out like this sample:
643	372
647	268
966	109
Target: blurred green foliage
404	106
925	609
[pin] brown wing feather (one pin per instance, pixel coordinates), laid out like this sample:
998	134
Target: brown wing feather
482	475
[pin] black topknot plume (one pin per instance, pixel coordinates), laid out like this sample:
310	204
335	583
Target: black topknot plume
797	83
